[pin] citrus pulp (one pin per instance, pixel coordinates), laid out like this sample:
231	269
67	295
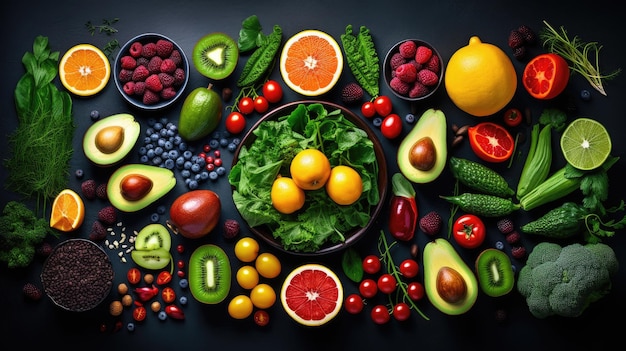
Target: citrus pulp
491	142
546	76
585	144
84	70
68	211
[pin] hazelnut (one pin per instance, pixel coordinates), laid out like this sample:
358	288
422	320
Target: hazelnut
116	308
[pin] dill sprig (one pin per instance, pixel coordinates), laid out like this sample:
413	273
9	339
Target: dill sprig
578	54
106	27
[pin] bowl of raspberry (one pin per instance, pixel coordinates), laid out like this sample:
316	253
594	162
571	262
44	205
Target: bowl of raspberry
413	69
151	71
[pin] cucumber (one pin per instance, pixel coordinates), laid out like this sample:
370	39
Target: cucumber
479	177
561	222
483	204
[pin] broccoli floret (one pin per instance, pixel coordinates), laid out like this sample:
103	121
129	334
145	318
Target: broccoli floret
20	232
565	280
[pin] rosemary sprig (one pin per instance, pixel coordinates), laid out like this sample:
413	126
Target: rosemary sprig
578	54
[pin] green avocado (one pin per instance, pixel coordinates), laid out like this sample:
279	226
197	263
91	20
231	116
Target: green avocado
450	284
133	187
109	140
200	114
423	151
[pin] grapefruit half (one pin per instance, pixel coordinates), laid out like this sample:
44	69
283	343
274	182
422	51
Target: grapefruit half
312	294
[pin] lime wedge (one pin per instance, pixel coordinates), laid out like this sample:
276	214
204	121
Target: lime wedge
585	144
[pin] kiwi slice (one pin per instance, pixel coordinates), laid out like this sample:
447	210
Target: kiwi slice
151	259
153	236
494	272
209	274
215	55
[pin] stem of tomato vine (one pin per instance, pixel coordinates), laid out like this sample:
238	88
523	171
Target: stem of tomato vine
392	268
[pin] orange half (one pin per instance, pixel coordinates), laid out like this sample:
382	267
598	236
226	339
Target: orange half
68	211
311	62
84	70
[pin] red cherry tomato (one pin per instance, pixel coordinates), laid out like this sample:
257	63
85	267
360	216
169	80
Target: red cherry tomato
469	231
246	105
272	91
380	314
133	275
392	126
368	110
353	304
415	291
261	105
163	278
513	117
383	105
261	318
409	268
386	283
235	122
371	264
168	294
139	313
368	288
401	311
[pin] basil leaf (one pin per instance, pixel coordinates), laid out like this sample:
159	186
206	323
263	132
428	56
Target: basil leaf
352	265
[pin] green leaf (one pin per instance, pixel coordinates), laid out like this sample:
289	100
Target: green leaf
351	264
249	34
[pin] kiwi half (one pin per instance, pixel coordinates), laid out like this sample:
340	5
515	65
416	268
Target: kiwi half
153	236
494	272
209	274
215	55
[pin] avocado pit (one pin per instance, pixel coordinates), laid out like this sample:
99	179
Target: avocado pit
423	154
451	285
135	187
110	139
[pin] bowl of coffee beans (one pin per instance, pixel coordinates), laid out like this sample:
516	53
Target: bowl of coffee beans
78	275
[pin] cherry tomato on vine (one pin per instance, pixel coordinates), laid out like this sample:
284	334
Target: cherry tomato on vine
272	91
368	288
261	105
368	110
235	122
392	126
371	264
513	117
469	231
383	105
401	311
415	290
353	304
386	283
246	105
409	268
380	314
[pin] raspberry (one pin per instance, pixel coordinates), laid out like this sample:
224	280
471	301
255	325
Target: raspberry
418	90
135	49
407	49
518	252
231	228
140	88
427	77
107	215
406	73
513	237
129	88
154	83
528	34
176	57
505	225
98	231
154	65
430	224
142	61
125	75
101	190
149	50
140	73
88	188
164	48
128	62
168	93
31	291
168	66
396	60
167	80
515	39
433	64
351	93
179	76
399	86
150	97
423	54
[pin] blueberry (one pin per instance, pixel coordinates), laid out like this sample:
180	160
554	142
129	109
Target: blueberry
213	175
94	115
173	154
147	140
152	122
193	184
236	141
161	209
150	153
154	136
224	142
216	135
585	95
158	126
130	326
157	161
144	159
178	140
499	245
163	120
79	174
184	283
182	146
149	131
169	163
187	155
158	150
168	145
232	147
162	315
221	170
409	118
154	217
182	300
214	143
377	122
187	165
204	175
180	161
142	150
185	173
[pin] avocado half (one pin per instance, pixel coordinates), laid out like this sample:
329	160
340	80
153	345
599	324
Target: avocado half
163	180
432	124
440	254
109	140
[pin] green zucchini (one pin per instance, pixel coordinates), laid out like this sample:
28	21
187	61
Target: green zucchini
483	204
479	177
561	222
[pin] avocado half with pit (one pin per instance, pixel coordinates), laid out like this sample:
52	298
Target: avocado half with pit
109	140
135	186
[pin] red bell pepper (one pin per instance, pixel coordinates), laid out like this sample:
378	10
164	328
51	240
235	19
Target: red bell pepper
403	213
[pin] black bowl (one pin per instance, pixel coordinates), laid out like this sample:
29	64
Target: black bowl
352	236
137	100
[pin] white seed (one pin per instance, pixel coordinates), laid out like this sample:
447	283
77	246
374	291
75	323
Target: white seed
124	259
111	247
121	253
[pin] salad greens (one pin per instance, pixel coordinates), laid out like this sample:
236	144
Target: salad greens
320	221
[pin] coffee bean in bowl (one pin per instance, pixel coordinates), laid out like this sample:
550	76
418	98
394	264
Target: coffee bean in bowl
78	275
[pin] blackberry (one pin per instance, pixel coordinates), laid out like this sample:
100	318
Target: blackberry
107	215
231	228
520	53
98	231
528	34
505	225
516	39
431	223
44	250
32	292
101	191
88	188
513	237
518	252
351	93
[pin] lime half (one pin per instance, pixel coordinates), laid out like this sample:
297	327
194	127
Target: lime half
585	144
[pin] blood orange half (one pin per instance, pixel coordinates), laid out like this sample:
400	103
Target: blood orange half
312	294
491	142
311	62
546	76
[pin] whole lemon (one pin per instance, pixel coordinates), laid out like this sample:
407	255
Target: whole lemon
480	78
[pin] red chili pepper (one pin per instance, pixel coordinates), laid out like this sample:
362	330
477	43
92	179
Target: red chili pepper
403	211
146	293
174	312
164	278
